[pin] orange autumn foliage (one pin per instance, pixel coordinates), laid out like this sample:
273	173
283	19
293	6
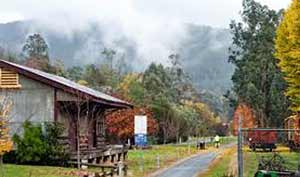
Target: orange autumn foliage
247	114
121	123
5	142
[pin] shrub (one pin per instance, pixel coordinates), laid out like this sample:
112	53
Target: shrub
55	154
30	147
38	147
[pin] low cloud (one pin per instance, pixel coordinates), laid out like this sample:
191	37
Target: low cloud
155	27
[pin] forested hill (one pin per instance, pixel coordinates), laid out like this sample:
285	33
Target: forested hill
203	52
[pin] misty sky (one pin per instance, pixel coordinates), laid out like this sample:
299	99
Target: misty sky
217	13
155	26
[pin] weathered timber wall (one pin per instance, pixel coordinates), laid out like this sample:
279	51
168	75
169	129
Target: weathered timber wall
34	101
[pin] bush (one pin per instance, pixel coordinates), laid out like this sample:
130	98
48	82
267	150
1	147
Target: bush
55	154
10	157
38	147
30	147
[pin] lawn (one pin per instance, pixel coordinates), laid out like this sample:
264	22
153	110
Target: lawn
11	170
37	171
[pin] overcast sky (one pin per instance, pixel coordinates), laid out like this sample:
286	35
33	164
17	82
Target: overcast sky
217	13
155	26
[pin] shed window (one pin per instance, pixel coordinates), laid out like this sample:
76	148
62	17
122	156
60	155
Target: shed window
9	79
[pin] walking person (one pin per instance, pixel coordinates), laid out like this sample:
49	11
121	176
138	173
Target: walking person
217	141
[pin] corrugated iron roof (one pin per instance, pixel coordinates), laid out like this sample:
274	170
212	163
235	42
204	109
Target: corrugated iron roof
66	83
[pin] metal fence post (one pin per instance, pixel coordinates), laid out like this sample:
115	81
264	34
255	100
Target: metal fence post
240	149
189	148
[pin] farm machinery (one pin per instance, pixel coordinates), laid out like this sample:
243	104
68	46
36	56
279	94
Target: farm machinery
262	139
274	167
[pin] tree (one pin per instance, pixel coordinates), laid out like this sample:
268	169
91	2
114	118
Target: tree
181	87
36	53
121	123
205	120
75	73
58	68
108	69
157	82
109	55
5	142
248	120
185	116
131	87
288	52
36	47
257	81
93	77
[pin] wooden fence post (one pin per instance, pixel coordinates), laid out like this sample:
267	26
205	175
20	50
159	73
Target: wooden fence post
120	169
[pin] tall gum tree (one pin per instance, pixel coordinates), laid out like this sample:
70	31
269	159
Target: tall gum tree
288	52
257	81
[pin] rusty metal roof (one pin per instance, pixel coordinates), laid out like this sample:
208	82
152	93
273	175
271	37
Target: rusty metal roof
65	84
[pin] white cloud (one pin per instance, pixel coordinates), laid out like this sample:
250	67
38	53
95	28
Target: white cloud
209	12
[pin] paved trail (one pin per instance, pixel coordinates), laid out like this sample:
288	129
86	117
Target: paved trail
192	166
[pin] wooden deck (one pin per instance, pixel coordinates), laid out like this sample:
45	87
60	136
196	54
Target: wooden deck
107	154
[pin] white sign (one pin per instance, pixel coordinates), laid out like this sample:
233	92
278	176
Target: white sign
140	124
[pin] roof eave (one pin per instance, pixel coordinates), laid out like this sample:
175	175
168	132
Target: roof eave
63	87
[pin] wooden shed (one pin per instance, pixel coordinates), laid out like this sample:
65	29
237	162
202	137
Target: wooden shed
42	97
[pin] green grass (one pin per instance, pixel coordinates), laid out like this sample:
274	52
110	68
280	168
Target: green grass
36	171
167	154
140	162
143	162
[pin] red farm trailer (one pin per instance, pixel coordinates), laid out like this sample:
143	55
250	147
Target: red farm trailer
262	139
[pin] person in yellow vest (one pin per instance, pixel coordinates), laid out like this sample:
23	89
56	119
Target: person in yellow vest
217	141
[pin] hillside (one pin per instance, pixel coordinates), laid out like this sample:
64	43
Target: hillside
203	51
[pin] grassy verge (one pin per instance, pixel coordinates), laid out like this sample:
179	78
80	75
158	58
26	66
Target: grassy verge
221	165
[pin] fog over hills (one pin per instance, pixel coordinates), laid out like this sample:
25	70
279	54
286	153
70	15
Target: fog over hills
203	49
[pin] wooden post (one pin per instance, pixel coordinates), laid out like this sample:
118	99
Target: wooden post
240	148
120	169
